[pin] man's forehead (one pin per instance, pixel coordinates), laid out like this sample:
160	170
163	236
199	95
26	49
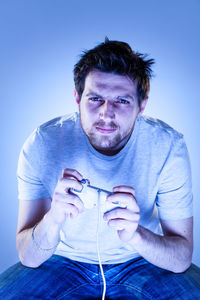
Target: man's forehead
110	85
106	81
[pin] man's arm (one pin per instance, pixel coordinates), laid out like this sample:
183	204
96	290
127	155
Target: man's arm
50	215
46	233
172	251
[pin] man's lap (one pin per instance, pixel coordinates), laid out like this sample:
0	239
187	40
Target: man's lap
61	278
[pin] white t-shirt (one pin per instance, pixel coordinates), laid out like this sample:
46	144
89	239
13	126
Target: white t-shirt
154	161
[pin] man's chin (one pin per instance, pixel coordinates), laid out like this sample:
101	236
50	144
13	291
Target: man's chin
105	145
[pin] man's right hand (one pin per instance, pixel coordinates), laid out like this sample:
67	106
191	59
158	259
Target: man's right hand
64	203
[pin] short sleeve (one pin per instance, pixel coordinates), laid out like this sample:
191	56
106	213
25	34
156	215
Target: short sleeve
174	197
30	186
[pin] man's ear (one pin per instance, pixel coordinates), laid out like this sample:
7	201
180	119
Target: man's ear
142	106
76	96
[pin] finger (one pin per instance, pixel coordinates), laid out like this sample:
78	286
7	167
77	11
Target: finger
72	173
65	183
71	199
71	210
121	224
125	235
60	208
121	213
124	189
125	199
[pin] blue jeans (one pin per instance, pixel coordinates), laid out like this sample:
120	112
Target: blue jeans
61	278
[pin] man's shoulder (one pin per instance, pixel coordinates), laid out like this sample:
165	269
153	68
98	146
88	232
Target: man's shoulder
64	125
53	130
159	128
67	120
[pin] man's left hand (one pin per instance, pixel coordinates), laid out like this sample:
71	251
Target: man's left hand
124	220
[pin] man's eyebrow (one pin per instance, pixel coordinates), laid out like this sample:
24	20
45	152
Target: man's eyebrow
93	94
127	96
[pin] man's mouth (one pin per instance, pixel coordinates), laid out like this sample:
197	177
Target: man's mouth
105	130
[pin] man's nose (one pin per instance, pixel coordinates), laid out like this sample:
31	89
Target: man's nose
107	110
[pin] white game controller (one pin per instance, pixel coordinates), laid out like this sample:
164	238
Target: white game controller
89	196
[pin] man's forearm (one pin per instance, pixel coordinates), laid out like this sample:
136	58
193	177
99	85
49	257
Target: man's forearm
168	252
46	235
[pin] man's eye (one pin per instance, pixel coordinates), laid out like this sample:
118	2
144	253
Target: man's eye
95	99
123	101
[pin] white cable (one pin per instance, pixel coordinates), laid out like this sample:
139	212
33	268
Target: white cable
98	250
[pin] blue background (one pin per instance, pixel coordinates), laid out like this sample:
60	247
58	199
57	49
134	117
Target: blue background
40	43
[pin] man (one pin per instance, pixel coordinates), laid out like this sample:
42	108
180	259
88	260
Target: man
146	240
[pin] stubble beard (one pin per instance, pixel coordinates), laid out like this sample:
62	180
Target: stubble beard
104	143
109	144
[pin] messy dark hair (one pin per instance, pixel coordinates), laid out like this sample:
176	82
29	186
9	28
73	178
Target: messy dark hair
118	58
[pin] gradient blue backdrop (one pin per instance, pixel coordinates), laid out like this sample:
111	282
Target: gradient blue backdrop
39	43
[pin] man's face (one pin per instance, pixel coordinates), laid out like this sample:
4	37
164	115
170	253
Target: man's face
108	110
